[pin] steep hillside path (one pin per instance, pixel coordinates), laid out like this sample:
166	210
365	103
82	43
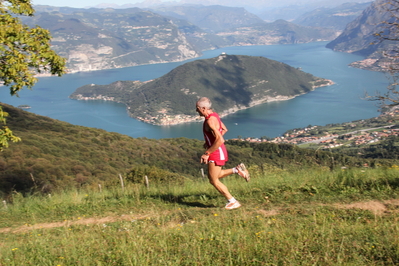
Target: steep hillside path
378	208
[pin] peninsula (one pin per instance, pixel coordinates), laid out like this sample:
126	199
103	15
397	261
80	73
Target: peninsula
232	82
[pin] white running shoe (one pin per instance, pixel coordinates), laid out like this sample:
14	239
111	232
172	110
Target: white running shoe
232	205
243	172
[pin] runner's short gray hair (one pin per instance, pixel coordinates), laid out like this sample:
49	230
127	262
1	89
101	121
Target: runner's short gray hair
204	102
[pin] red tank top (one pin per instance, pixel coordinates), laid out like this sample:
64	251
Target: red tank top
220	155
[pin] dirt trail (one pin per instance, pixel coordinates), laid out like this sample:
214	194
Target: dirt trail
376	207
84	221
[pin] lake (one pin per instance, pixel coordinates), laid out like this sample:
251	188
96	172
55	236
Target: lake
342	102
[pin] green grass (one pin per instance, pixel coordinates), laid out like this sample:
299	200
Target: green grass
287	218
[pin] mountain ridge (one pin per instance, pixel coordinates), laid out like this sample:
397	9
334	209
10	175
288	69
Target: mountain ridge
359	37
335	17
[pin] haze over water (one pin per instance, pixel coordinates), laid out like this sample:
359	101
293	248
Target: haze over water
339	103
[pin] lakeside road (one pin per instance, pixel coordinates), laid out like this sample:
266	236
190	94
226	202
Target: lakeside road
317	141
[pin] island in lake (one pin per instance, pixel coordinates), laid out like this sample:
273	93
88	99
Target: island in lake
232	82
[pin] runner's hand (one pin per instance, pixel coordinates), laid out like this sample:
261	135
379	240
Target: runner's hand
204	158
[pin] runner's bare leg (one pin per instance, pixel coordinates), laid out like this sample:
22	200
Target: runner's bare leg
214	174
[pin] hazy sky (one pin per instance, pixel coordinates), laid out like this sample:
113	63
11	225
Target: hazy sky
82	3
253	3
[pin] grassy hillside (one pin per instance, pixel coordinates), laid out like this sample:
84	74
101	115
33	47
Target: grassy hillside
59	154
302	217
54	155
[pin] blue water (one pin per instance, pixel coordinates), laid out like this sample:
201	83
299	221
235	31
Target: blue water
339	103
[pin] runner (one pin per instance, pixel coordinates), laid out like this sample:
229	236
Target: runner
215	155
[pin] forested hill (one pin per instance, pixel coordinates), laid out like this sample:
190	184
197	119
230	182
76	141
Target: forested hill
55	154
232	82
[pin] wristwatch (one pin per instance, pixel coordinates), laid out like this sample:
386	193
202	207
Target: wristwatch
206	153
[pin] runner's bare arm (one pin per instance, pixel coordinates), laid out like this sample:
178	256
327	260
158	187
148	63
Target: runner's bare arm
224	129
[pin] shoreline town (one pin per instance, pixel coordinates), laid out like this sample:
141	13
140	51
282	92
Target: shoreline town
329	140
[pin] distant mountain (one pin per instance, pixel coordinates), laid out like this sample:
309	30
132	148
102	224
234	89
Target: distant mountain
334	18
237	27
232	83
359	37
288	12
278	32
95	39
199	38
212	18
266	10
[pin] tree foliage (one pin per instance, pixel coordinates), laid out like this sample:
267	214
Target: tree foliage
24	52
5	133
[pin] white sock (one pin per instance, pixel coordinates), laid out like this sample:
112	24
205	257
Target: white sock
232	200
235	171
